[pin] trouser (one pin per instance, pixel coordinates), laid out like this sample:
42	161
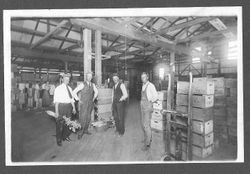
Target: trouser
30	102
85	109
118	114
63	110
146	112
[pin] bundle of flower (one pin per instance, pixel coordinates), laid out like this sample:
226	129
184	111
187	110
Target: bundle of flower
73	125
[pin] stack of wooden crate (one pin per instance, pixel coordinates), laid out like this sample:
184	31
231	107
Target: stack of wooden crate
104	104
220	115
231	104
158	122
202	111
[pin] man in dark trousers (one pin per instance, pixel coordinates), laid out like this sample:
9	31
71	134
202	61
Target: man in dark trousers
119	96
64	105
87	95
148	96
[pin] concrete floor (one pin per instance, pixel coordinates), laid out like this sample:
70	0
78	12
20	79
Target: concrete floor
33	139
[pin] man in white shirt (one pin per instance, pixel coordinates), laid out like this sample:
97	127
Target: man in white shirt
119	96
149	95
88	93
64	105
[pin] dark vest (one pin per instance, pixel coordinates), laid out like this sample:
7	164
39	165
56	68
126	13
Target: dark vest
117	93
87	93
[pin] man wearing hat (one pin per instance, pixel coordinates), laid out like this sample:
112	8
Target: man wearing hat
119	96
87	95
64	105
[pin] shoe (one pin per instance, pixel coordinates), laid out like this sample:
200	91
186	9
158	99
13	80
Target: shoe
145	148
68	139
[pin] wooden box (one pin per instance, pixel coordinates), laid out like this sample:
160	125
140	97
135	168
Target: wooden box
201	152
157	124
220	101
203	140
219	111
203	101
182	87
231	101
219	92
202	114
232	111
203	86
181	99
159	105
232	130
156	115
230	83
219	82
162	95
104	108
182	109
106	100
202	127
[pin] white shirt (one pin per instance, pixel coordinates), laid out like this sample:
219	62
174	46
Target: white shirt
151	92
61	94
52	89
124	92
81	86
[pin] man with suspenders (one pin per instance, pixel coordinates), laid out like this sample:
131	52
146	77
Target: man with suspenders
88	94
148	96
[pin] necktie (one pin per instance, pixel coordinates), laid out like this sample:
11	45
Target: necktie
70	96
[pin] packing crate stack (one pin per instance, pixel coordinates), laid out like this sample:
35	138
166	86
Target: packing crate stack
202	111
158	121
220	114
104	104
231	107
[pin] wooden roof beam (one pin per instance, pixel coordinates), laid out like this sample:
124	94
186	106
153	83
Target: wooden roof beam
46	37
184	25
117	29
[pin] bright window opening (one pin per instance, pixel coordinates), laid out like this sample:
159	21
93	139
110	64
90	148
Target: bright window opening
161	73
196	60
232	50
198	48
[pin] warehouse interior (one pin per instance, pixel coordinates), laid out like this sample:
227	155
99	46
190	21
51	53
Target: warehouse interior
170	49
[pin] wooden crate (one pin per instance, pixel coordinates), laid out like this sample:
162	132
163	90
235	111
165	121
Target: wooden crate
220	101
230	83
201	152
162	95
219	82
182	87
106	100
220	92
232	111
159	105
203	140
202	127
104	108
157	125
156	115
203	86
231	121
205	114
181	100
232	130
231	101
220	111
183	109
203	101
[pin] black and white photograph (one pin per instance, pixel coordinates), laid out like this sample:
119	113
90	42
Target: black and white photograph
123	86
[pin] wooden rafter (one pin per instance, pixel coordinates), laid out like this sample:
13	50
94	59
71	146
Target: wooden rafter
116	39
33	35
46	37
183	25
60	47
116	29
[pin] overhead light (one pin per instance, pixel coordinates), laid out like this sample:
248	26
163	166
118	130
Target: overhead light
209	53
198	48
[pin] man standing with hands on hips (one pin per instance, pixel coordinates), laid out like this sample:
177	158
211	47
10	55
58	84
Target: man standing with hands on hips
64	105
119	96
149	95
88	93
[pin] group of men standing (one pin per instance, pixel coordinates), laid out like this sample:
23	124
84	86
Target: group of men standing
86	93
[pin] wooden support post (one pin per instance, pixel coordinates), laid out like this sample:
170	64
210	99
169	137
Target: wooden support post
98	57
87	51
172	73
